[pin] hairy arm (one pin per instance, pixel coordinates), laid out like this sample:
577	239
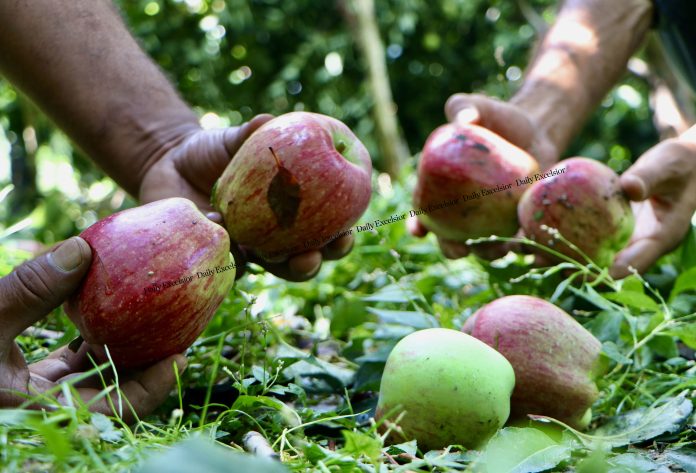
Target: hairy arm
77	61
579	60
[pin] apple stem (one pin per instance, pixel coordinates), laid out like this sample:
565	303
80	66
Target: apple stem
341	146
277	160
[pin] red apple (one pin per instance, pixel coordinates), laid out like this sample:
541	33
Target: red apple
298	182
554	357
158	274
583	200
469	183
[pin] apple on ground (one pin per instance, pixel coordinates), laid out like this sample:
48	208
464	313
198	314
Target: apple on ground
296	183
554	357
451	388
463	163
158	274
585	203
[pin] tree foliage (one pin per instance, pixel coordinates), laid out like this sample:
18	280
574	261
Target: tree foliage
234	59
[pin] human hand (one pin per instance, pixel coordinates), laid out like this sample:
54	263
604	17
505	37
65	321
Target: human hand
31	292
662	186
506	119
512	123
189	169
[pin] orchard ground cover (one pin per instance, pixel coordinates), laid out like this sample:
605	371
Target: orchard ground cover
300	364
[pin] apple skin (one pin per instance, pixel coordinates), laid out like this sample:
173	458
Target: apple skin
460	160
554	357
585	204
118	304
454	389
334	186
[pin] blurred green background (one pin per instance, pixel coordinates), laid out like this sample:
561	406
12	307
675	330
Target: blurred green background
233	59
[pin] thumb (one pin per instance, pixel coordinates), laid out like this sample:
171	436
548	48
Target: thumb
500	117
38	286
235	136
659	171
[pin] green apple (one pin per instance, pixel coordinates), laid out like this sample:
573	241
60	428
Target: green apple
451	388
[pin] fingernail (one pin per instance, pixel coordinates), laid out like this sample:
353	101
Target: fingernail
467	115
315	269
67	256
214	216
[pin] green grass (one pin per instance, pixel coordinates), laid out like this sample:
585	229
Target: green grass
300	364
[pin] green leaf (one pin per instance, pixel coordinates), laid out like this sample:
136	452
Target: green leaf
311	366
685	457
686	333
634	300
261	375
645	423
250	403
410	447
347	313
685	282
606	326
522	450
57	442
560	289
595	462
391	293
358	443
368	376
436	459
106	428
635	463
611	350
19	417
590	295
204	456
632	284
418	320
664	346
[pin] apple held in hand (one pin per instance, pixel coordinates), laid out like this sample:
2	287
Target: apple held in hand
469	182
583	200
158	274
452	388
554	357
296	183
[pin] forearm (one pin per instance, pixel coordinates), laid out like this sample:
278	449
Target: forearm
78	62
582	56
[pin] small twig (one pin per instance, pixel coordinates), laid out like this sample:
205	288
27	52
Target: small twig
362	20
391	459
257	444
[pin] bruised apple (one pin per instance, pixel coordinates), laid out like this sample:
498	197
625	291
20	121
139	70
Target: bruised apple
583	200
469	183
554	357
298	182
158	274
450	387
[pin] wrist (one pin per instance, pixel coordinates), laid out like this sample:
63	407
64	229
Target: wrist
553	114
142	140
